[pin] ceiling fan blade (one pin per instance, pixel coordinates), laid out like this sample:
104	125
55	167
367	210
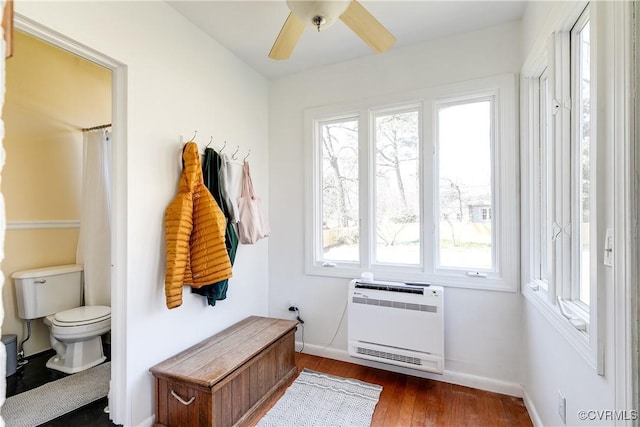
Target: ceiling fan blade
287	39
368	28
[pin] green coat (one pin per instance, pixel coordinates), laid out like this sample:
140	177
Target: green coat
211	173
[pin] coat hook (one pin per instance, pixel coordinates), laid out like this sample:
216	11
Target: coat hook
245	157
223	145
194	136
210	141
233	156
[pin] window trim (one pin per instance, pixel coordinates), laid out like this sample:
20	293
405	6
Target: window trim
505	169
316	214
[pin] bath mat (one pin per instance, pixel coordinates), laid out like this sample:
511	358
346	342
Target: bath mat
42	404
317	399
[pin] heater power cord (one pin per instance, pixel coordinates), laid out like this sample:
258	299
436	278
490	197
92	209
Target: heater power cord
296	310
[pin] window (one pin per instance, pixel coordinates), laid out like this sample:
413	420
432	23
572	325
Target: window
581	158
340	212
403	190
543	181
465	180
397	187
485	214
559	173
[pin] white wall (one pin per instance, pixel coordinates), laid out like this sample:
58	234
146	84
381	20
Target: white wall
552	365
483	328
178	80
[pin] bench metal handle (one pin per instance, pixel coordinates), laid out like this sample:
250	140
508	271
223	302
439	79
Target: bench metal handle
181	400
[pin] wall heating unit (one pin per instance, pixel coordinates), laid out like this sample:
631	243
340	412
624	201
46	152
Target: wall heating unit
397	323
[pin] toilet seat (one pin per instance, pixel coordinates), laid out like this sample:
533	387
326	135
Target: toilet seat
80	316
79	323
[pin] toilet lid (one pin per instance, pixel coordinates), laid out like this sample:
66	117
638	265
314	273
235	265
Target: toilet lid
89	313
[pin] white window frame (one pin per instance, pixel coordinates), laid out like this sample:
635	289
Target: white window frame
542	191
531	135
505	213
573	290
580	327
316	237
495	196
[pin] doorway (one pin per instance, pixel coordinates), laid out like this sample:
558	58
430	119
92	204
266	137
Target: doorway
117	70
43	115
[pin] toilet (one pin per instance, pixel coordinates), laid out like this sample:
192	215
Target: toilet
55	294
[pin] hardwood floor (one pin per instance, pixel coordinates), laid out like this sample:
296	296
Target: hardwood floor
411	401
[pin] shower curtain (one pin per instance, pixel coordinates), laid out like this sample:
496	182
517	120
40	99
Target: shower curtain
94	242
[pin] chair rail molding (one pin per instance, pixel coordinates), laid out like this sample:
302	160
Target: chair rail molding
42	224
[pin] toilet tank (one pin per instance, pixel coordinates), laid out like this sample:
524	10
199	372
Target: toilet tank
44	291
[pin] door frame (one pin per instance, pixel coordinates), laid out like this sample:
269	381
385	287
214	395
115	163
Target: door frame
626	252
634	203
118	384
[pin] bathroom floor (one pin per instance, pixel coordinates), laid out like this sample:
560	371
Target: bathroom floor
35	373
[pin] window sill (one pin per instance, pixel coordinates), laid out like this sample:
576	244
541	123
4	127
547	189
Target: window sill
578	317
417	275
576	338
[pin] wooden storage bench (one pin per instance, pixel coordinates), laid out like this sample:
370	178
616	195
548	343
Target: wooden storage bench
226	378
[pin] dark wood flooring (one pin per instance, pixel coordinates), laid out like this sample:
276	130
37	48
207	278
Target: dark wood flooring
411	401
405	400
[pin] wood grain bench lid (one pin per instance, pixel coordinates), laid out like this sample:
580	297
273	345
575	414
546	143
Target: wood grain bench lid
213	359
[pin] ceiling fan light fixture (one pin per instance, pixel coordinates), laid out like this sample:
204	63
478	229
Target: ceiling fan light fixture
319	14
318	21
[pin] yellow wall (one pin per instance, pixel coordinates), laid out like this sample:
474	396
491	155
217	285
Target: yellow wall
50	95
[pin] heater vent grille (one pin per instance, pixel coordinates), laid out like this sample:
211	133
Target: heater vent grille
390	288
396	304
389	356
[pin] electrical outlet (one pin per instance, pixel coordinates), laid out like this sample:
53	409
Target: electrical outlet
562	407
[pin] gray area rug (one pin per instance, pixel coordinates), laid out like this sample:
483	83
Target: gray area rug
317	399
42	404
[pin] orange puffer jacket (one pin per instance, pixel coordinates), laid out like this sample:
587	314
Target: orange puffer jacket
194	230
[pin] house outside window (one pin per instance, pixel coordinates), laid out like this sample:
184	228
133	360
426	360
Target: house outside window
479	213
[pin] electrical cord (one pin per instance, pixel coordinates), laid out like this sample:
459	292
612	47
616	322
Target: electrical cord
302	336
299	319
344	310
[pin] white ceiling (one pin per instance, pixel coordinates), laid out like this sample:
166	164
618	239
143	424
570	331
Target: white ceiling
249	28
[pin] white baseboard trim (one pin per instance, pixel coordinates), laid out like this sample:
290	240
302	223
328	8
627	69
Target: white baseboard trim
452	377
147	422
531	408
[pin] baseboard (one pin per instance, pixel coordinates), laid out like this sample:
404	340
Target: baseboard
147	422
531	408
452	377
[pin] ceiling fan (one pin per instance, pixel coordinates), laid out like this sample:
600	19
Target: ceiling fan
322	14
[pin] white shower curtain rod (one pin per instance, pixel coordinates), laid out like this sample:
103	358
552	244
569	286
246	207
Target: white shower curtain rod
108	125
